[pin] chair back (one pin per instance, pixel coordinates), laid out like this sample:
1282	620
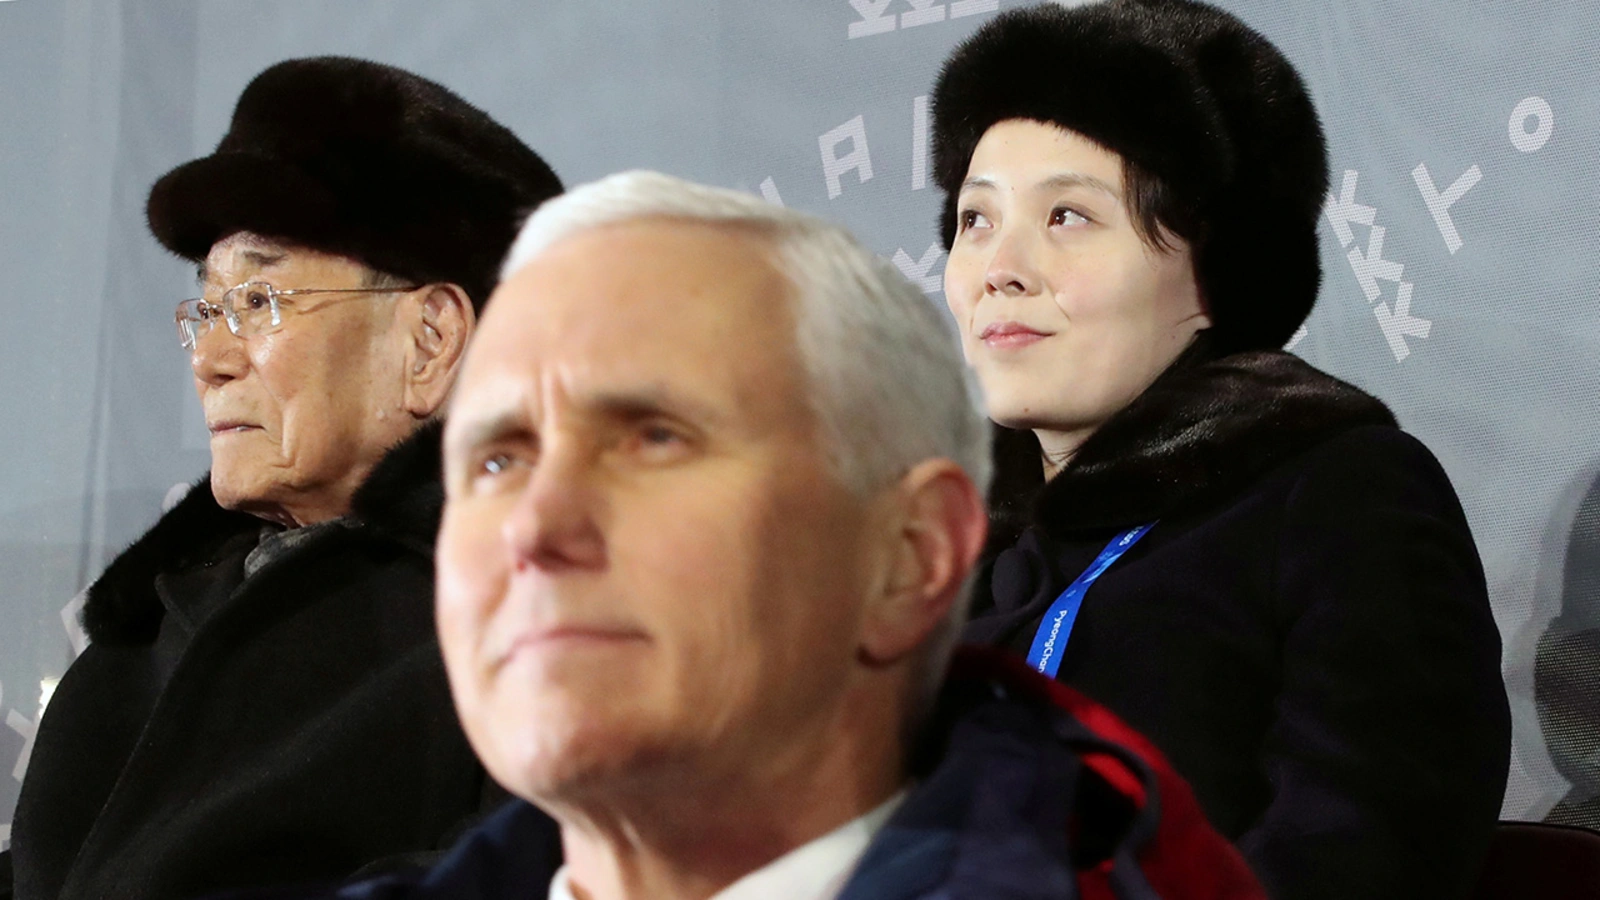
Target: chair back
1535	861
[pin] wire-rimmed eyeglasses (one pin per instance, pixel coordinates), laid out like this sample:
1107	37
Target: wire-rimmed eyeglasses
251	308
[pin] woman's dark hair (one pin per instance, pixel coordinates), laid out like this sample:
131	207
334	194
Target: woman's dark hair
1156	211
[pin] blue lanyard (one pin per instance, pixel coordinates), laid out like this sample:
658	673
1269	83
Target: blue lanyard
1051	639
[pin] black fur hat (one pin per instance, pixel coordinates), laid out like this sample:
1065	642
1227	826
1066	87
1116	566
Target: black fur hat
1189	94
363	160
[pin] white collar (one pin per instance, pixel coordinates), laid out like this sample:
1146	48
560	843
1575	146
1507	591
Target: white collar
814	871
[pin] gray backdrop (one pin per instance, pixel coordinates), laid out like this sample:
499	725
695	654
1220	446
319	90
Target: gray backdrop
1458	243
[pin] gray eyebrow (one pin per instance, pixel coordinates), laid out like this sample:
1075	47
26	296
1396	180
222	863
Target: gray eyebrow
264	258
626	405
490	428
644	403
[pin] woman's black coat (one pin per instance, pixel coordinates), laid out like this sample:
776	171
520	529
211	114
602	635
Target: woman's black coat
1305	633
223	731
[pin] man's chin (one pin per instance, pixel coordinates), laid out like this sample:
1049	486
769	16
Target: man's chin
231	494
572	763
234	490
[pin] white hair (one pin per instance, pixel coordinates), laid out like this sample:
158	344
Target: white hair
885	373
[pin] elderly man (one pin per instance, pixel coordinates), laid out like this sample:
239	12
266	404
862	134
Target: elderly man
263	700
710	519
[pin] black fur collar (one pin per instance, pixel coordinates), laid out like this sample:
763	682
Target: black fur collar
404	495
1204	430
401	499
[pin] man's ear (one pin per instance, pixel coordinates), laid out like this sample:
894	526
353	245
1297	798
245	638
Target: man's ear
440	329
939	530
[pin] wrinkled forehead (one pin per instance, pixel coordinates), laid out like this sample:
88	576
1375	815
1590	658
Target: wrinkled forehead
653	305
245	254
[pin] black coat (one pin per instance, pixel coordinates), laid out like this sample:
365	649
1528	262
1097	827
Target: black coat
1306	633
223	731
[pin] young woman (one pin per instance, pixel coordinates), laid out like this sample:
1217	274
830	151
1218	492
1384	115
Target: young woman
1244	557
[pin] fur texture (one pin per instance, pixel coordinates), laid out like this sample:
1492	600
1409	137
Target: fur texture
402	499
1203	431
363	160
1190	94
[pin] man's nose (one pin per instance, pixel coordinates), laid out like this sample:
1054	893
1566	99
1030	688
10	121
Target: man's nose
553	525
218	356
1012	271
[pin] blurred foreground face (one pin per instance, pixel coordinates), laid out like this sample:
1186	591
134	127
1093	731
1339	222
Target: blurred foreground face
646	565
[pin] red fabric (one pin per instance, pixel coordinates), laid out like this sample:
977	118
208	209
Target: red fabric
1187	859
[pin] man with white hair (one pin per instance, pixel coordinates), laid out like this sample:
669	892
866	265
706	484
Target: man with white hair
263	699
714	482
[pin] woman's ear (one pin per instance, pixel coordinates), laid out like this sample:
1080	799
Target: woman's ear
440	330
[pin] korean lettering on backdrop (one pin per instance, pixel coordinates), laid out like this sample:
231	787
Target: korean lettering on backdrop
25	727
858	159
1531	124
877	16
845	149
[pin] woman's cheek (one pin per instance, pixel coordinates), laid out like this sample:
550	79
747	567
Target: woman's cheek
961	277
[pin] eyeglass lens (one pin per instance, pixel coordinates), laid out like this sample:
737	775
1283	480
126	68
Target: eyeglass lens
249	309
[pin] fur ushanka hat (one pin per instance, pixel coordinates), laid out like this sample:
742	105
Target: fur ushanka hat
1189	94
364	160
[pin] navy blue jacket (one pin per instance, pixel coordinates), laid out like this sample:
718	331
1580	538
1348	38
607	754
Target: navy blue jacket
1011	765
